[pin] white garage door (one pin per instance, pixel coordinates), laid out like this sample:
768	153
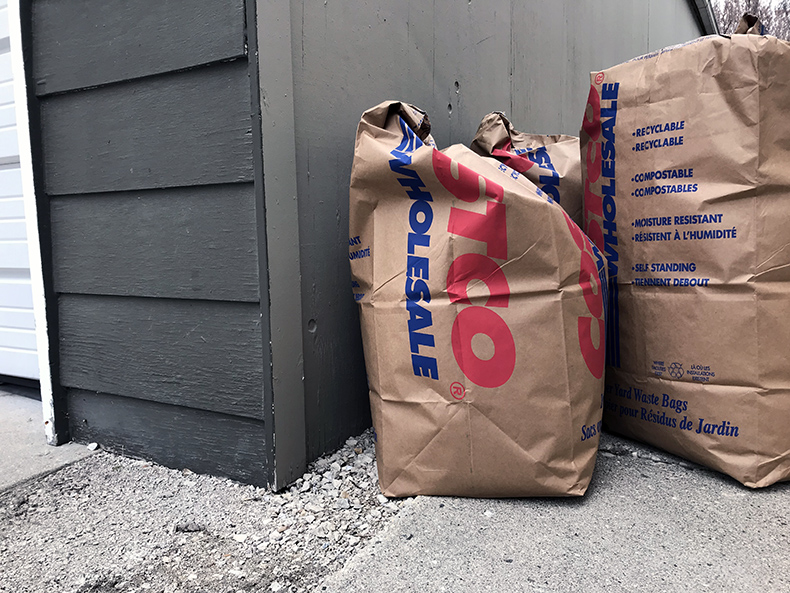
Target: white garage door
17	327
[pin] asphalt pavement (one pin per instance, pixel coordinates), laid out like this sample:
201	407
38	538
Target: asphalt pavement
650	522
24	453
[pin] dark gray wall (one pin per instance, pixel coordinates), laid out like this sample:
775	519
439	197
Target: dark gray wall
458	60
147	176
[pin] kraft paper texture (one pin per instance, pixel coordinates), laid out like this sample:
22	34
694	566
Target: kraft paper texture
686	164
482	319
550	162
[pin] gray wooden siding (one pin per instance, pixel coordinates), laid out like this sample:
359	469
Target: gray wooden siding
180	129
174	436
190	243
549	88
114	40
147	181
197	354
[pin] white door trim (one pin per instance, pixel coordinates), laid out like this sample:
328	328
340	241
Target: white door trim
31	224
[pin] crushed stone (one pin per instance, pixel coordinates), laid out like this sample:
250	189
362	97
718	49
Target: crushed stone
110	524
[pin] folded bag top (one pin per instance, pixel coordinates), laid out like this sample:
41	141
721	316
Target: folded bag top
551	162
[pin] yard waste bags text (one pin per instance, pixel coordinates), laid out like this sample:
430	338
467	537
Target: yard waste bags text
482	319
550	162
686	163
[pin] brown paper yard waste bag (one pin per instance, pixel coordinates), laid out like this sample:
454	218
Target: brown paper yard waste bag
482	319
686	163
550	162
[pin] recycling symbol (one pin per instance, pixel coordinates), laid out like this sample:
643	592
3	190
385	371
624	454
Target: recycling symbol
676	370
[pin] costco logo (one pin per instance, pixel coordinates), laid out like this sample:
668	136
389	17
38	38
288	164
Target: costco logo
489	228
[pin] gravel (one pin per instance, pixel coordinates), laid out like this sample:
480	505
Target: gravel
114	524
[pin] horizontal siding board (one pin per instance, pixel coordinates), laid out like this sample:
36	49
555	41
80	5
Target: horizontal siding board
198	354
107	41
18	339
7	116
176	437
13	255
193	243
16	317
19	363
9	146
10	183
12	230
12	208
183	129
6	92
4	24
5	67
15	293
